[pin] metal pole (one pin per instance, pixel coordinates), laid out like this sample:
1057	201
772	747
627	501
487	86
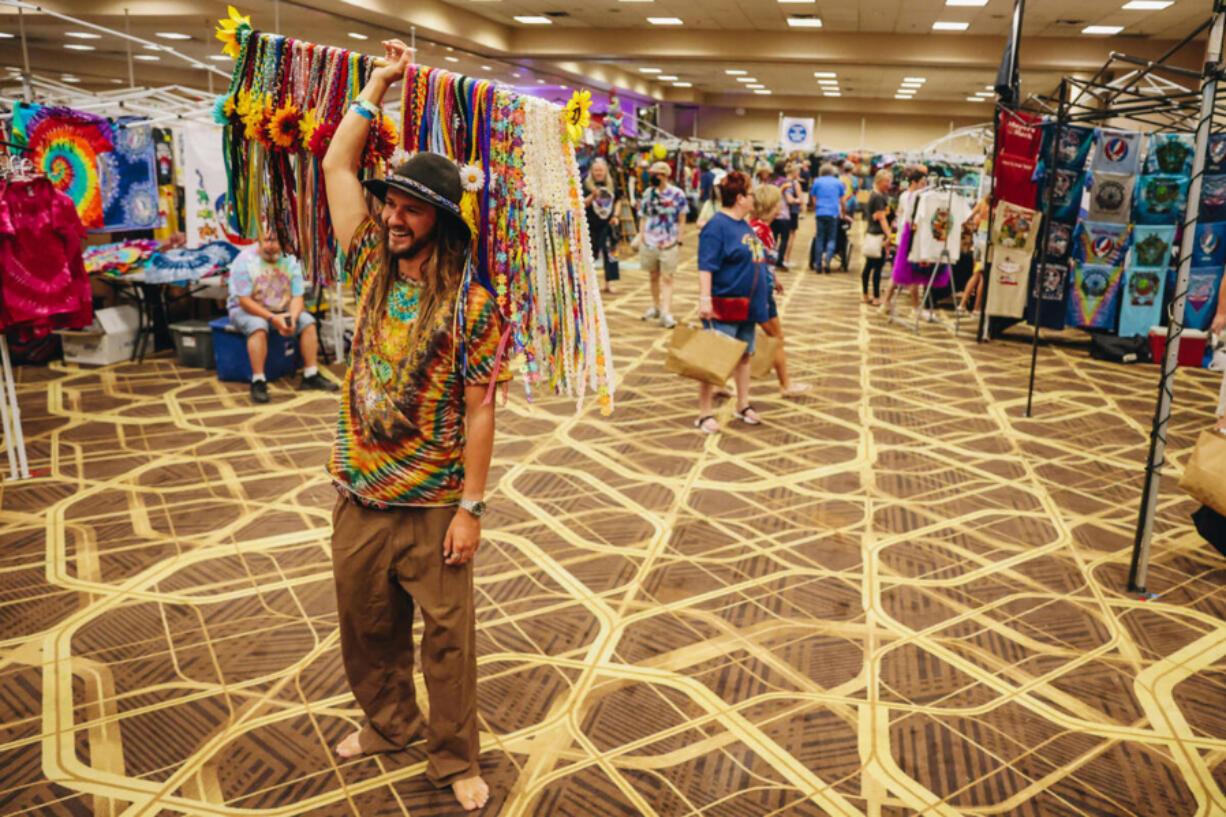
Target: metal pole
986	276
127	27
1053	161
26	91
1162	412
276	16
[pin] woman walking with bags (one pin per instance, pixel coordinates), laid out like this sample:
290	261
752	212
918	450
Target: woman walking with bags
766	203
733	284
876	237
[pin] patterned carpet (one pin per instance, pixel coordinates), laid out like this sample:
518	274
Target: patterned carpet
898	597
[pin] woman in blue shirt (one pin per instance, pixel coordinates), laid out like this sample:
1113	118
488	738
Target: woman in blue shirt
828	194
732	265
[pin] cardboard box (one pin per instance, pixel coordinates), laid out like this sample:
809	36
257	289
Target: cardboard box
109	339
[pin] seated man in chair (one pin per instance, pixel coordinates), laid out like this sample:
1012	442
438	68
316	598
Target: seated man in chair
266	293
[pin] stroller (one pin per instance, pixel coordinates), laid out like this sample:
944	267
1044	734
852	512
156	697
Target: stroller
842	246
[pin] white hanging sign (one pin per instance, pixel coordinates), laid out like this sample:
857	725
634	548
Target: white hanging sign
796	133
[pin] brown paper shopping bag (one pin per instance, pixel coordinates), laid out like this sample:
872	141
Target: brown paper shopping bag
702	354
763	361
1205	477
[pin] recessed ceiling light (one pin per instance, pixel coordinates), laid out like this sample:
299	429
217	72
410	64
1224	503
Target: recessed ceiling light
755	85
220	57
649	70
797	2
1147	5
966	2
985	94
486	68
516	74
906	91
564	87
989	87
735	72
746	79
70	80
117	82
827	82
540	82
832	93
151	47
4	35
912	84
665	21
636	1
357	35
82	35
683	85
451	59
914	79
533	20
78	47
976	99
762	92
146	57
903	96
825	74
943	25
805	22
1102	29
173	35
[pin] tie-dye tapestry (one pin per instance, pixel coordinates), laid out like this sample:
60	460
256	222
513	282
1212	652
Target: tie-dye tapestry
128	180
65	145
1094	296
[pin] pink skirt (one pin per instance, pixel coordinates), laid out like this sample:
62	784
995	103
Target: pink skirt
906	274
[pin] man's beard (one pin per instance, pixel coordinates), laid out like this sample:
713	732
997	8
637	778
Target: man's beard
416	246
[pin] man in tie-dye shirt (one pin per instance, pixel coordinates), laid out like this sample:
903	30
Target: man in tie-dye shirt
412	450
660	212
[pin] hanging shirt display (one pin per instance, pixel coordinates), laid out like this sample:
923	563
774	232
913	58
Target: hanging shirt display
127	179
1152	246
1209	249
939	216
1094	296
1117	152
1213	198
1066	195
1059	241
1203	288
204	175
1141	300
1020	135
1170	153
1053	296
163	155
1010	283
1161	199
1110	198
1075	144
1015	180
1015	227
1102	244
43	283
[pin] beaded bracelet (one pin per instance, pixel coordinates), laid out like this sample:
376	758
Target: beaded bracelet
367	111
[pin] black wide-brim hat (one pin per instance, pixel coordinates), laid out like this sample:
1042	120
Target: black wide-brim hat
431	177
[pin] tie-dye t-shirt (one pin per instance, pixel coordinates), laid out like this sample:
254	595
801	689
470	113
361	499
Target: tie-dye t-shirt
272	285
400	434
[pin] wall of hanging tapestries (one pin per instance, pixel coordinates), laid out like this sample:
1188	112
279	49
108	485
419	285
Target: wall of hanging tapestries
1118	201
522	197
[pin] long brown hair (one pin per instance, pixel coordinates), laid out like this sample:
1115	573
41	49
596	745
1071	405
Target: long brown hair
440	275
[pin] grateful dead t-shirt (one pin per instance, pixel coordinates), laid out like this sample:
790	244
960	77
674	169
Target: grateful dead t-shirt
939	216
1151	246
1110	198
1102	244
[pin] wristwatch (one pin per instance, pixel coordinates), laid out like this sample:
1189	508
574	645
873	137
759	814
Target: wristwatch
476	507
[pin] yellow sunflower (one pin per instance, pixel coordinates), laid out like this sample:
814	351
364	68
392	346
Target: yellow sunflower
228	31
578	114
285	125
306	128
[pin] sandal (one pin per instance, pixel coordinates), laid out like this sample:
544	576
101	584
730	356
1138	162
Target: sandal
743	416
701	424
795	389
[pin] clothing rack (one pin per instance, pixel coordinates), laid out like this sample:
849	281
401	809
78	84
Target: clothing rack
1166	107
10	410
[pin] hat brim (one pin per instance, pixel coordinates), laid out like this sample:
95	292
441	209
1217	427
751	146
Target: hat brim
379	187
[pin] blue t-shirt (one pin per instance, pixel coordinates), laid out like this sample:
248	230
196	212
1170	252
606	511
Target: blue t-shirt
706	183
828	190
729	250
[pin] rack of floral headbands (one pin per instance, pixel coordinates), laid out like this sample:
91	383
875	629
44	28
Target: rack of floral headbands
522	199
285	100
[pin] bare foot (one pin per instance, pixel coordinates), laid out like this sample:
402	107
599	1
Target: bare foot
351	746
472	792
794	389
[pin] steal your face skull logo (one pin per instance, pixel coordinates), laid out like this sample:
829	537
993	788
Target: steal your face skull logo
1116	149
1102	246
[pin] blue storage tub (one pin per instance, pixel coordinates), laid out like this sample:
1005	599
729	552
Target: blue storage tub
233	364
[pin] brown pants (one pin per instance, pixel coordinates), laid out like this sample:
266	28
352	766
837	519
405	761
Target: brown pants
384	563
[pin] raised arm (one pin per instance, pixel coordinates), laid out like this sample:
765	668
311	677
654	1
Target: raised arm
346	200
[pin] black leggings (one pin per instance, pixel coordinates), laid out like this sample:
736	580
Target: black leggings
781	228
604	243
872	267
